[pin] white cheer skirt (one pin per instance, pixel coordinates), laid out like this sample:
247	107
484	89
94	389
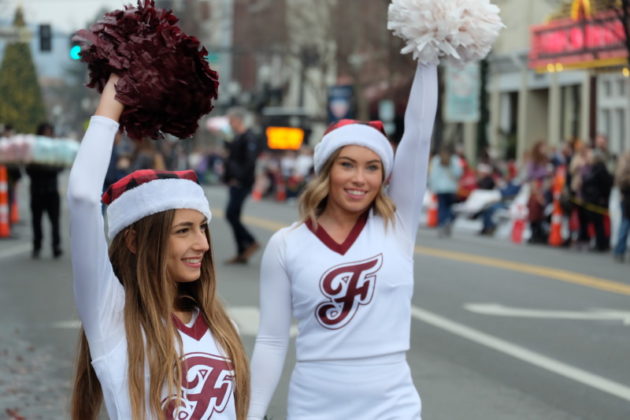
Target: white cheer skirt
376	388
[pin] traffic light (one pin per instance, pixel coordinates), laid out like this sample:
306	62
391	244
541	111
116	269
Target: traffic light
45	37
75	50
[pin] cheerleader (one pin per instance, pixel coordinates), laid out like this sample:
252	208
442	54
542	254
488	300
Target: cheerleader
345	270
156	342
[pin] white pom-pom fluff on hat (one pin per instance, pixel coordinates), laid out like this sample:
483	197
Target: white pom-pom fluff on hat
153	197
354	135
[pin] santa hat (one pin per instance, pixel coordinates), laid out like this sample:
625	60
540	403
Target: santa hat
146	192
356	133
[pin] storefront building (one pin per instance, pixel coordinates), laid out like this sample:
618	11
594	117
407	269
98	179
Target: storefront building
570	81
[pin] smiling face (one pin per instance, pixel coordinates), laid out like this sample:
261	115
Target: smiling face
187	244
356	177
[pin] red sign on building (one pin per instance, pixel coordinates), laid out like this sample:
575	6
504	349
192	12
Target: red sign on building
567	43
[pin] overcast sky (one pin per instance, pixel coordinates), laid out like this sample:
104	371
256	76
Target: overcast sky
66	15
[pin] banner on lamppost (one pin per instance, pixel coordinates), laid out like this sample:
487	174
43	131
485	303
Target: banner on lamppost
462	93
341	103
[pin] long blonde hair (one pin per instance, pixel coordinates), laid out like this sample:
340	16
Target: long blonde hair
150	296
315	196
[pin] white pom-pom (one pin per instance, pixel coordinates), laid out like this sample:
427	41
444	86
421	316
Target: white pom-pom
457	30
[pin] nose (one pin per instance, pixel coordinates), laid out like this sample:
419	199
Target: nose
201	241
359	176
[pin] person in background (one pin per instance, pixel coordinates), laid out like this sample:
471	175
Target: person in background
240	173
485	177
536	213
596	186
578	168
44	199
445	171
601	147
538	167
622	179
509	187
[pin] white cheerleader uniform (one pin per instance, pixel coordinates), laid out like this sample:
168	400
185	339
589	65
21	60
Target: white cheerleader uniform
352	301
207	375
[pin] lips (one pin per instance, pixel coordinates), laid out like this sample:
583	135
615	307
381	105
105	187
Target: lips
193	262
355	194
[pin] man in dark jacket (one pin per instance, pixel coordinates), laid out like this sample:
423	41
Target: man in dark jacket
240	168
44	199
596	186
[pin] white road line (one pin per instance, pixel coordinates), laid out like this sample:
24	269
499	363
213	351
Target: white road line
69	325
15	250
537	359
495	309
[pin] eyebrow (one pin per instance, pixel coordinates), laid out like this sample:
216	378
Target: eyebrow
188	224
352	160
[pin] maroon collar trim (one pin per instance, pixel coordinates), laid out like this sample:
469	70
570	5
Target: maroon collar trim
197	330
342	248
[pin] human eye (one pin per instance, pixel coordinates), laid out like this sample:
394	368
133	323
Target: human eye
373	167
181	231
345	164
204	227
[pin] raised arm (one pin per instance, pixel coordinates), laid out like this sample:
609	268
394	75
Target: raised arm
273	334
409	176
99	297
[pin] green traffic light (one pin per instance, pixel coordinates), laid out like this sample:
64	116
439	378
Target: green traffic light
75	52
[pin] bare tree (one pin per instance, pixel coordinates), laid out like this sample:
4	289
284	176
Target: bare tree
339	41
369	55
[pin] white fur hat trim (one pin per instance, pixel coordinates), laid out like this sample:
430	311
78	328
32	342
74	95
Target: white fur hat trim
355	135
153	197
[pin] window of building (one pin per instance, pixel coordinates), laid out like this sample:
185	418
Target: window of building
606	121
607	88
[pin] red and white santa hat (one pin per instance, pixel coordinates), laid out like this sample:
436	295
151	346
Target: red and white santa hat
146	192
356	133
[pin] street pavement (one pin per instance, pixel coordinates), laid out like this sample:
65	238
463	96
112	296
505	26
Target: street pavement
499	331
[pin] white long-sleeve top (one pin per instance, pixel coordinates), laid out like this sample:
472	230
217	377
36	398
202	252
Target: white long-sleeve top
207	386
350	300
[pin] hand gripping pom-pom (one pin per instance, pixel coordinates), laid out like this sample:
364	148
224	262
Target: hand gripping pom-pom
459	31
165	83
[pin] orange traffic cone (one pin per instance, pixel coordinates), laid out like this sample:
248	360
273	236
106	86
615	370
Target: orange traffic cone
5	228
432	212
14	210
281	188
555	232
518	227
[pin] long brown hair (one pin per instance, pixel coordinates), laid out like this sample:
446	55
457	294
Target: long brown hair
315	196
150	297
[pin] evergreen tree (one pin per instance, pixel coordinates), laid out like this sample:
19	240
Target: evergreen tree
21	103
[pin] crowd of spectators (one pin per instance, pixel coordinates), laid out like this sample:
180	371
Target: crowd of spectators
586	174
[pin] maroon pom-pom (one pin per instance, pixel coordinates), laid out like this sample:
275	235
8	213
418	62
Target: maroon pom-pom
165	81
